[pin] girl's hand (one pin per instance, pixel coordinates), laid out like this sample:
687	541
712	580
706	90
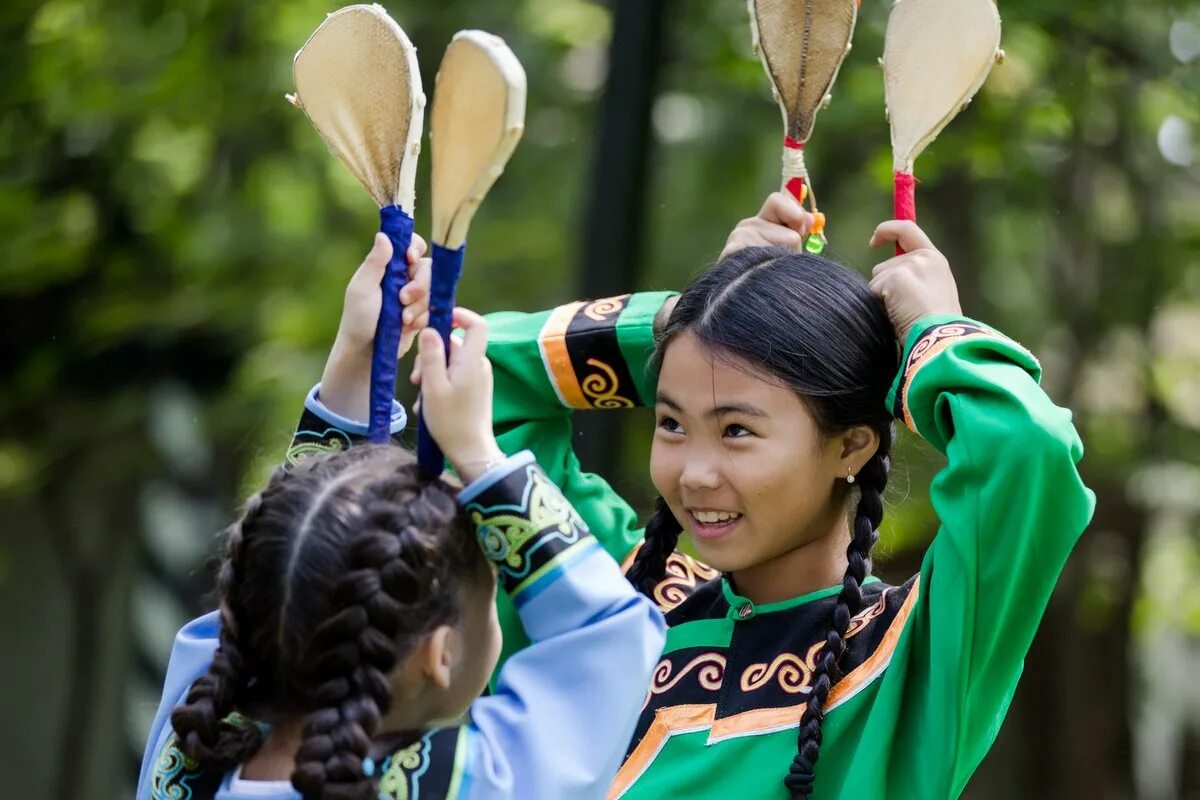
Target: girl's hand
360	311
916	284
456	400
781	222
346	382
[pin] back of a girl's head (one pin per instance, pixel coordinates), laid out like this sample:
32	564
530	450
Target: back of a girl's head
335	571
801	319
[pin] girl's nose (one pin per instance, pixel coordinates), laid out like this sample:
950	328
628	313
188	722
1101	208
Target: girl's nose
700	472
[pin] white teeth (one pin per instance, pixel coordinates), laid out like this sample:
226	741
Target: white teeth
713	517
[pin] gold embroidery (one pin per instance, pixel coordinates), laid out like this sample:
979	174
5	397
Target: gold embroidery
504	536
600	310
683	575
710	670
685	719
394	783
795	674
601	389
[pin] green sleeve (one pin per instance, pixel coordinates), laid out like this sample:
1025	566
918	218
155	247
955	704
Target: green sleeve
584	355
1012	506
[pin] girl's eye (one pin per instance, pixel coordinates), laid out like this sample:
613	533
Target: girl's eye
736	431
670	425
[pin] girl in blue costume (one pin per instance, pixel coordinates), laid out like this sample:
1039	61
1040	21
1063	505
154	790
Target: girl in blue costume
357	627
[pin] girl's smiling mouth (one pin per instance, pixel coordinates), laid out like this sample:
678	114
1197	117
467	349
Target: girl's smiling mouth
711	524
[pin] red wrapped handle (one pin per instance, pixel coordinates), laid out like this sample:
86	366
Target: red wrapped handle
905	200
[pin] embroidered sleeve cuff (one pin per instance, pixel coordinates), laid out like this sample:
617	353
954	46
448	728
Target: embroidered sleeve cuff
525	526
597	354
322	431
931	340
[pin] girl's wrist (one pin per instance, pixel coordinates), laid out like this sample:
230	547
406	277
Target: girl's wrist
472	463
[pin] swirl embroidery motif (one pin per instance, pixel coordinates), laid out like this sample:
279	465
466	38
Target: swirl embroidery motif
172	773
863	618
600	310
683	575
601	387
709	667
504	537
936	335
395	782
794	674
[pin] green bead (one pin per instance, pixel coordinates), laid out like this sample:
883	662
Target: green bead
815	244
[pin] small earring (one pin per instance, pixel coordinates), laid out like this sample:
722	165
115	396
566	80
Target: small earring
849	476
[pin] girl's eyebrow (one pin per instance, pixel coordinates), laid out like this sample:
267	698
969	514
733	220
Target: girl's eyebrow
744	409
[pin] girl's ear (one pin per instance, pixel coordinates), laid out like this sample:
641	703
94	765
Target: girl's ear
437	654
858	445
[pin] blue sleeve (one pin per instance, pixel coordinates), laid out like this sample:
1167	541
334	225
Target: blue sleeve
561	716
322	431
190	657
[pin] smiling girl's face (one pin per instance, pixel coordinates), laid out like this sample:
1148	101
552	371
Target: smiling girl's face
744	467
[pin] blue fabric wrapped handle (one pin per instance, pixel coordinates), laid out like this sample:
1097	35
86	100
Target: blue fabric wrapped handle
398	227
447	268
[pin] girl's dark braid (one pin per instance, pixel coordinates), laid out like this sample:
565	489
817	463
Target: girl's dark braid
397	588
197	722
662	535
871	481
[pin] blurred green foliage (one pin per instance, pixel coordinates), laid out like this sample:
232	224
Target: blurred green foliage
169	221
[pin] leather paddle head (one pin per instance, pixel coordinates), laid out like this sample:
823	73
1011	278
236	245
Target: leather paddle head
477	119
936	55
357	81
802	44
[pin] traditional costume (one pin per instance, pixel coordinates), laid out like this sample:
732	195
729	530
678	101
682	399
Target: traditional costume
559	715
931	664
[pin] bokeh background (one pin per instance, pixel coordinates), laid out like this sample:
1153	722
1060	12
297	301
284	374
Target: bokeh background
175	240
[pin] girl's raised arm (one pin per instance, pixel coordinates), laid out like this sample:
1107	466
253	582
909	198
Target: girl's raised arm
1011	505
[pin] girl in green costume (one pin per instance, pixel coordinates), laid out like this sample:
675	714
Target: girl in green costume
778	385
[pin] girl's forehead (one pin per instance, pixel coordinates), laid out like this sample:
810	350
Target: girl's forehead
694	376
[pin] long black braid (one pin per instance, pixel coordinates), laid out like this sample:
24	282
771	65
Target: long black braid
871	482
199	720
650	565
816	327
335	572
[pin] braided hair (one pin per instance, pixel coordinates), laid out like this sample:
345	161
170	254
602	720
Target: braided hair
335	572
827	337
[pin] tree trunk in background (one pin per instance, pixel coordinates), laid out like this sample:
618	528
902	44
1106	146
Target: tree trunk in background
612	236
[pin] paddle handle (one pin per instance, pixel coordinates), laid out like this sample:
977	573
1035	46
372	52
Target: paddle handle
398	227
443	284
904	200
794	171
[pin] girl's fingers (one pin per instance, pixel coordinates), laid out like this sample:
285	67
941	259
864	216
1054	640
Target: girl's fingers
431	357
416	249
475	341
419	275
381	251
904	233
371	270
783	209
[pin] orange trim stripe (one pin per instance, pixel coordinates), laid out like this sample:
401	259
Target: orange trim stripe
667	723
552	341
770	720
924	359
873	667
692	718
